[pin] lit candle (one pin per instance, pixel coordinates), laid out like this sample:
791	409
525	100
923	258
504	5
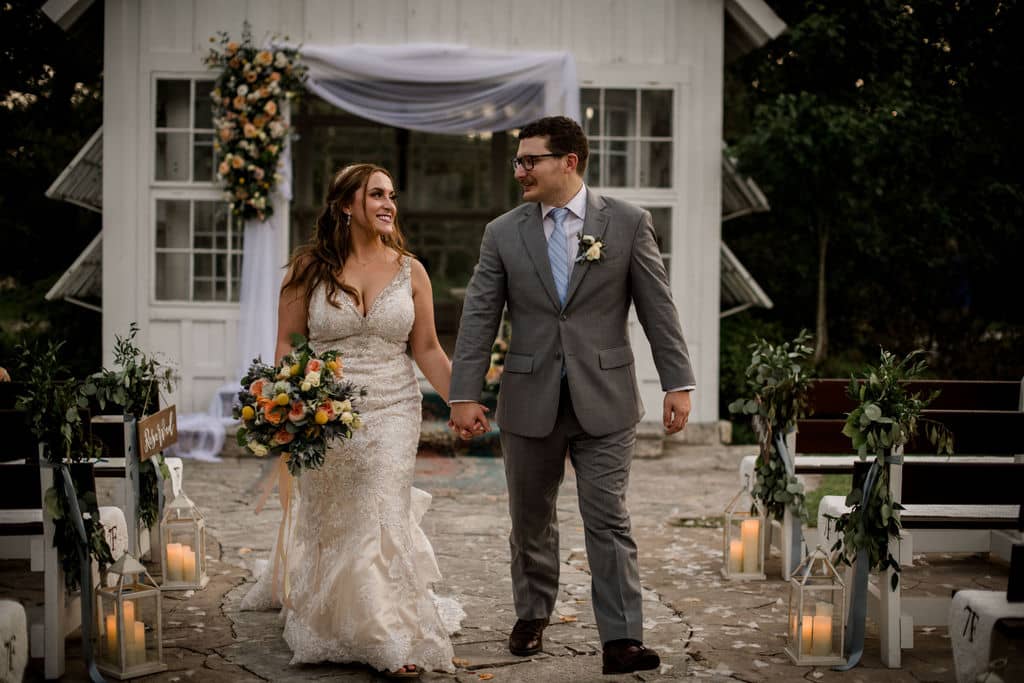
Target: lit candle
807	635
749	532
139	643
188	564
822	645
735	556
111	623
129	613
173	568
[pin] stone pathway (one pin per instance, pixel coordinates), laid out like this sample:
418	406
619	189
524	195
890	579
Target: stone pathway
704	627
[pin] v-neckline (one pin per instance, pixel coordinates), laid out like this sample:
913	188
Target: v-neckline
380	294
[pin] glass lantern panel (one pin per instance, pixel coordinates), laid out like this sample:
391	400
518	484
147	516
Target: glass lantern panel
743	545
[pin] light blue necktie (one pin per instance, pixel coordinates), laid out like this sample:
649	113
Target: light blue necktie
558	252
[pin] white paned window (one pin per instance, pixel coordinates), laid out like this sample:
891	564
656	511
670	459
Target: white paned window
630	135
198	251
184	131
662	217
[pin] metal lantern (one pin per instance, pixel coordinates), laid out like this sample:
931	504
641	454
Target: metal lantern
743	538
817	612
130	628
183	546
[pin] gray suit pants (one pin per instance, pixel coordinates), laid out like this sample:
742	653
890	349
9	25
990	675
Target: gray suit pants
534	468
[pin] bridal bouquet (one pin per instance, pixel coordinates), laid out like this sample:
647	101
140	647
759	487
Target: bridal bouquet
298	408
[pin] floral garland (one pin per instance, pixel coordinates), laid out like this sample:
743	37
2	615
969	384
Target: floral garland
247	113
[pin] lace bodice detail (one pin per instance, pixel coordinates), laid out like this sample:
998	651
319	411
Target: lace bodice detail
360	567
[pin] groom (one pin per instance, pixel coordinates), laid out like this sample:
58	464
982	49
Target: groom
568	263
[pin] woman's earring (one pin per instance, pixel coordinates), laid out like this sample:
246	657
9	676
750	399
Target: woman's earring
346	218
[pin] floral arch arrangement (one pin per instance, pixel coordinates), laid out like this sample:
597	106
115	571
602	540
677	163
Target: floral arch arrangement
248	114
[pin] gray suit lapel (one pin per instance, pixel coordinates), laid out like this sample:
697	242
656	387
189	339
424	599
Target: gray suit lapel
532	230
596	223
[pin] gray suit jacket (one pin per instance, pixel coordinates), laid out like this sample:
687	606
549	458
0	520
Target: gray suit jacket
589	333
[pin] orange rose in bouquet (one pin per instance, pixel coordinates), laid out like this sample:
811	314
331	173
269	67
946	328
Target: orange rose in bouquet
297	408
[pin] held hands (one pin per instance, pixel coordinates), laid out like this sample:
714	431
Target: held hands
469	419
676	411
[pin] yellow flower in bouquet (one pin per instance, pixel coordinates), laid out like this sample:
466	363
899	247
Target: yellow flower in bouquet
298	407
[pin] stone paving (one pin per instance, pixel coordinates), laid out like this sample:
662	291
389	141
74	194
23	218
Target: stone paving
704	627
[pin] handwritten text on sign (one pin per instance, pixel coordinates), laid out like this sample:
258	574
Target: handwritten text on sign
157	432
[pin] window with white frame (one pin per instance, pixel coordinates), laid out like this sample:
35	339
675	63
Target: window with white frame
197	243
630	135
198	251
184	131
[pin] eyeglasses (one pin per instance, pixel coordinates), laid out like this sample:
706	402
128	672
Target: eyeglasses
527	162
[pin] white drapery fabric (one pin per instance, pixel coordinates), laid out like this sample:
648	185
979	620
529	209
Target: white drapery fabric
444	88
432	88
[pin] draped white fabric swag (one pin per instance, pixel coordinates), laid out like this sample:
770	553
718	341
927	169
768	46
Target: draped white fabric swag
432	88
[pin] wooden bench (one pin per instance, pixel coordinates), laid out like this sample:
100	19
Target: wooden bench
27	532
978	413
953	506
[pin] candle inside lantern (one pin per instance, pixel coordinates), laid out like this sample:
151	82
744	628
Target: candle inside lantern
139	642
822	644
735	556
129	614
749	532
174	556
188	564
111	636
807	633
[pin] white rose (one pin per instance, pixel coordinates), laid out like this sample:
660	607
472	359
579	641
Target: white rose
594	252
243	89
347	417
257	448
313	378
305	386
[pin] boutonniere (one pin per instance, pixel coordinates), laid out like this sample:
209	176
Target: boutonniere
591	249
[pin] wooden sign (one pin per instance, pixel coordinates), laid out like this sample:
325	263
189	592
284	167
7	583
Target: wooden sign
157	432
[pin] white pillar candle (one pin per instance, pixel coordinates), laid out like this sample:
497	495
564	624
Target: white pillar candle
172	572
139	643
807	631
111	637
822	629
188	564
822	644
128	618
749	532
735	556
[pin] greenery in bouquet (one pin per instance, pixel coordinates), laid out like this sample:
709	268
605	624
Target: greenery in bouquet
297	408
886	418
248	114
778	382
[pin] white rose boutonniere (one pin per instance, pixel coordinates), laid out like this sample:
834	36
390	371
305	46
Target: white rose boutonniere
591	249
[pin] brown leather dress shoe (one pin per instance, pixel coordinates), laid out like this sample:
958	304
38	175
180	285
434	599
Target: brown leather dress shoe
527	637
626	656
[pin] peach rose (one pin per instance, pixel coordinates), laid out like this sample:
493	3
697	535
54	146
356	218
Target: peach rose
314	365
283	436
270	107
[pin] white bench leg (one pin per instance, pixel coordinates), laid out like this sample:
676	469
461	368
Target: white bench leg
787	543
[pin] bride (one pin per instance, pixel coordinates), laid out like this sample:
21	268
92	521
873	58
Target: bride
356	585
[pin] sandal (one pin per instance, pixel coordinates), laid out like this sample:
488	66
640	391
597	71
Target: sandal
404	672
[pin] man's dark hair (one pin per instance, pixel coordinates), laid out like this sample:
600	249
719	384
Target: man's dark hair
564	136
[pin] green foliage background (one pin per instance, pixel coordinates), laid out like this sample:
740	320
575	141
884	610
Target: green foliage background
888	126
50	104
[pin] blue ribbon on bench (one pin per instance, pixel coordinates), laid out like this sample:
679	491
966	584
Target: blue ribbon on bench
861	569
795	523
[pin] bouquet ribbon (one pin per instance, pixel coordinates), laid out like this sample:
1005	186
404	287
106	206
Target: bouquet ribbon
280	476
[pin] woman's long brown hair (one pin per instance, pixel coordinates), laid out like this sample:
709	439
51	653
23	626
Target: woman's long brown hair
321	260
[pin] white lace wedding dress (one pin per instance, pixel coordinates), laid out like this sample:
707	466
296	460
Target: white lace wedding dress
360	568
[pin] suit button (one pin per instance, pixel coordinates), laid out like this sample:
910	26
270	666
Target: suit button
563	317
558	355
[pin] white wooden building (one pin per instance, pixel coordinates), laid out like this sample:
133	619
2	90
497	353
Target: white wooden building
651	87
